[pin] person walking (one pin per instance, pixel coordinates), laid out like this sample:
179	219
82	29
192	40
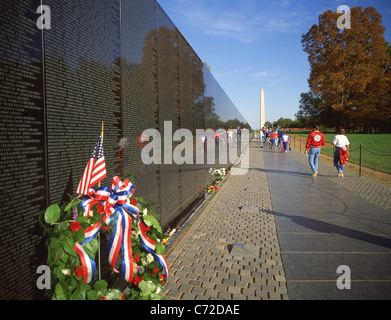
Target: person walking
280	133
274	139
341	154
315	142
267	136
285	142
261	137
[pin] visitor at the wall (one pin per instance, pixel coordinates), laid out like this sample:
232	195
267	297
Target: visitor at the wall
315	142
341	154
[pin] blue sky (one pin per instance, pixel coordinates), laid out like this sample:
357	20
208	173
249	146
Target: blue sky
255	44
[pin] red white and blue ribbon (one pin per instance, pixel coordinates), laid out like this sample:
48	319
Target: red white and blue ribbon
149	245
91	233
116	202
119	213
88	264
121	239
118	195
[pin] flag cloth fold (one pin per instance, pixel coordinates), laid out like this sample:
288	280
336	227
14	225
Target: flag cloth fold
95	170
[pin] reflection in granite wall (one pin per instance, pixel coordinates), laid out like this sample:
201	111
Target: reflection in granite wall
122	62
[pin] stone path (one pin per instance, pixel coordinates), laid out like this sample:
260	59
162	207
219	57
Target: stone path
231	251
262	237
323	226
371	190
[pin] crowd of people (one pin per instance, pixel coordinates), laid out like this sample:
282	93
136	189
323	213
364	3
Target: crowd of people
278	137
275	138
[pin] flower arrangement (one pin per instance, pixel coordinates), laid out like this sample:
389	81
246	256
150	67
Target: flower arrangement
218	174
208	189
72	240
149	279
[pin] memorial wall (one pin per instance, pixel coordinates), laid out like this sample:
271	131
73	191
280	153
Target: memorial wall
120	62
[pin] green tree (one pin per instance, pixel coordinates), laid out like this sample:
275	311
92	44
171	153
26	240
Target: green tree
314	109
283	123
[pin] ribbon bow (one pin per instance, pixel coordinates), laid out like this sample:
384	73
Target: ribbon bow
114	202
121	237
116	206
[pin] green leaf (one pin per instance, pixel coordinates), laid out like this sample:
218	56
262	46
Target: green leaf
79	236
61	290
148	220
151	221
155	296
62	255
73	204
55	244
143	297
52	213
113	294
69	206
58	274
85	286
146	287
69	246
82	219
144	262
91	247
159	248
100	286
78	294
72	283
92	295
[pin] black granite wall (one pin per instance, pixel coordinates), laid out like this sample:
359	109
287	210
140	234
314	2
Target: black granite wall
121	62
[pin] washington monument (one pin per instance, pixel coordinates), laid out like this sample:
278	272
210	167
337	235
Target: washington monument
263	120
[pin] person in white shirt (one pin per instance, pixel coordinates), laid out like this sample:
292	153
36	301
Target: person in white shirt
261	136
285	142
341	154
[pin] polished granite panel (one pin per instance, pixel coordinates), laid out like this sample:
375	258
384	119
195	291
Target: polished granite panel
122	63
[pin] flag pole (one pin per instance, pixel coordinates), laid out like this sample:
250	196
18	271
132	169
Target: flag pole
99	266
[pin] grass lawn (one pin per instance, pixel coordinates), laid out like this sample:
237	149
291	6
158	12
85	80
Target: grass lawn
376	149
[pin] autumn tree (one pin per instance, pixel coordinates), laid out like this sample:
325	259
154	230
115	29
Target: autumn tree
348	66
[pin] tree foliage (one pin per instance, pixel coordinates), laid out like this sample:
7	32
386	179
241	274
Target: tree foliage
350	68
314	109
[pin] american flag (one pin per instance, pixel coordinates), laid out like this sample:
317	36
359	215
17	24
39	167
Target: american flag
95	170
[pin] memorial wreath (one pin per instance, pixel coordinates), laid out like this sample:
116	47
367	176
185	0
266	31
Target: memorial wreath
73	240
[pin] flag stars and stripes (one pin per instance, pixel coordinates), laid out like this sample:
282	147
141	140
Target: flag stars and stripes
95	170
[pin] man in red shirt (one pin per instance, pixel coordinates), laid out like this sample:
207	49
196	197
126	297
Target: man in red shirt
315	142
273	139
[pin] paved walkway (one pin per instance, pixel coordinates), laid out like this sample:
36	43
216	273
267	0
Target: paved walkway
263	236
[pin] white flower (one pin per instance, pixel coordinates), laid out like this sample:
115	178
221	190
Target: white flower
66	272
158	290
150	258
91	213
136	233
172	232
145	211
